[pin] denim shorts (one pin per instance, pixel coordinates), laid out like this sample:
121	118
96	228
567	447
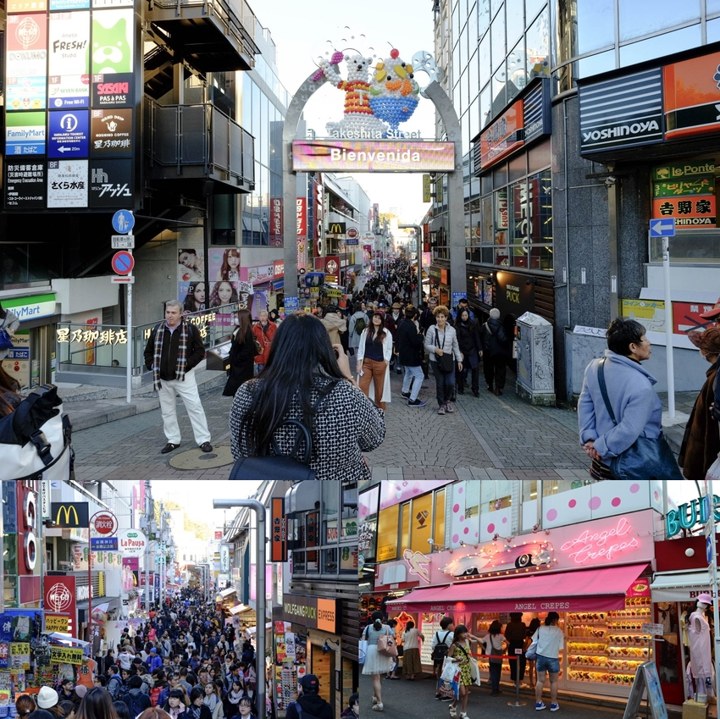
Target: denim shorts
547	664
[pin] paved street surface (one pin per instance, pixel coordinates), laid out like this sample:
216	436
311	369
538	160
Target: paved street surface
416	700
486	438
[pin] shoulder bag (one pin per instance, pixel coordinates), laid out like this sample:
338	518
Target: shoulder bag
386	646
35	439
5	340
646	458
446	361
279	466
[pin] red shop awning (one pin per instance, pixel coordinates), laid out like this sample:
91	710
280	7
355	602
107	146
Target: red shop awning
583	590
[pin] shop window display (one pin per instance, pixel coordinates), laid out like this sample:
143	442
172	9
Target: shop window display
608	647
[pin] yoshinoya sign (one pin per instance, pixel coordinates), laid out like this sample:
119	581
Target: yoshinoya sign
131	542
621	112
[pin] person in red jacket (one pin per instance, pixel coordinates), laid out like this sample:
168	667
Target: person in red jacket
263	332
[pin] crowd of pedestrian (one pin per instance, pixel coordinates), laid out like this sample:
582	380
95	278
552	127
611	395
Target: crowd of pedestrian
182	663
455	646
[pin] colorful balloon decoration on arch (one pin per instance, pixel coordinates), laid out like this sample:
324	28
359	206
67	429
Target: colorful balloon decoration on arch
377	98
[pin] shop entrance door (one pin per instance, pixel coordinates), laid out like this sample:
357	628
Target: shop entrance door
323	667
670	653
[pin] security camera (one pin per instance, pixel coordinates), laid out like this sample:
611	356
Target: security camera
610	181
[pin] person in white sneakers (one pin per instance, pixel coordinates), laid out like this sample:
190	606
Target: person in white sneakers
461	653
549	641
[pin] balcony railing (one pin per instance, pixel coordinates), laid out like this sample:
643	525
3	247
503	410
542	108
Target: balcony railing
198	141
236	19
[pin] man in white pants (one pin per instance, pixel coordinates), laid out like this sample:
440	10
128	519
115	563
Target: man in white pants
172	352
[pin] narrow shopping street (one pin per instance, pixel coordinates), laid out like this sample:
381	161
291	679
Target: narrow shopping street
487	437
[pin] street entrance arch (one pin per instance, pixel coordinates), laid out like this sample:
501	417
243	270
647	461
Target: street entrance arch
366	153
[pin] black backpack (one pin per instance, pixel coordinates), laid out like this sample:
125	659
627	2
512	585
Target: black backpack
360	325
441	649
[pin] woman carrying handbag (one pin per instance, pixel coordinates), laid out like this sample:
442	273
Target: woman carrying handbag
619	412
376	663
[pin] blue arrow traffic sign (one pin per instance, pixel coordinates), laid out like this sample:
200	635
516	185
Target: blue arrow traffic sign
123	222
664	227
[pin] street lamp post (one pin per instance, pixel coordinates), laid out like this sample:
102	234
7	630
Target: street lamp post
260	562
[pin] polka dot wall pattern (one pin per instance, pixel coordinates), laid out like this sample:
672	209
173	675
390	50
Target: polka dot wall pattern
597	500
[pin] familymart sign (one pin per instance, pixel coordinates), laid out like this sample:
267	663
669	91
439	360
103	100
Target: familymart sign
31	308
690	514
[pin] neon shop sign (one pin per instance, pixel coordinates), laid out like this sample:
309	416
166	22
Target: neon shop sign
590	546
689	514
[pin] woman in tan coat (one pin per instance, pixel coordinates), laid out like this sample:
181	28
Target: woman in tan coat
701	443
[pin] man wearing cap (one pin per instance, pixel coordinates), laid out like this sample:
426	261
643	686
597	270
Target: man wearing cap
309	704
701	664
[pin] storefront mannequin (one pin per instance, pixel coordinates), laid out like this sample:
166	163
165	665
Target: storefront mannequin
701	666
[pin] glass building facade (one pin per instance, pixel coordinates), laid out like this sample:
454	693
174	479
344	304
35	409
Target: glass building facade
548	220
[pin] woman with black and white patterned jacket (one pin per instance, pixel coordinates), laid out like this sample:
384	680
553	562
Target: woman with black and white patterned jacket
304	371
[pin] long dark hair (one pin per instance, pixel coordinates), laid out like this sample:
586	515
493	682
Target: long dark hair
191	304
300	353
379	334
96	704
244	325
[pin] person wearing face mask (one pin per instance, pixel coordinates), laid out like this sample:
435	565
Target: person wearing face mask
701	663
352	710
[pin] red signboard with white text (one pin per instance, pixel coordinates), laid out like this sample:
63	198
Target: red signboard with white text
59	598
301	216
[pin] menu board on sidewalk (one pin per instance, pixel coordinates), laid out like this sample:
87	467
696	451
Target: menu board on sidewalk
646	677
430	625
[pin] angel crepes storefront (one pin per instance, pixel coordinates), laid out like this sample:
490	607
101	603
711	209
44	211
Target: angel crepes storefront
594	574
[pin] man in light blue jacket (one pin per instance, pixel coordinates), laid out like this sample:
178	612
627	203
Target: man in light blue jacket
633	399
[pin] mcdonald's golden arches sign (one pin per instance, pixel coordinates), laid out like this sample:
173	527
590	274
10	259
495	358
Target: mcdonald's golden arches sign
72	515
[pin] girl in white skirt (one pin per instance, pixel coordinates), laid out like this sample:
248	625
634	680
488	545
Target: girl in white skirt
376	664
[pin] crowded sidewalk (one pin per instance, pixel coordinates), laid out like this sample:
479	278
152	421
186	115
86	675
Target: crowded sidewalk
488	437
408	700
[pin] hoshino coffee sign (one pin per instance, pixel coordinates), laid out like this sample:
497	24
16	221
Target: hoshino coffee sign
621	112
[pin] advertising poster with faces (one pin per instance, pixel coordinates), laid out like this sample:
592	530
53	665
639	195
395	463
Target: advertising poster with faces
191	273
